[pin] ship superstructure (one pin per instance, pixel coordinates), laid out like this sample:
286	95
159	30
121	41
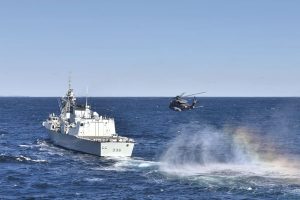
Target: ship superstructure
81	129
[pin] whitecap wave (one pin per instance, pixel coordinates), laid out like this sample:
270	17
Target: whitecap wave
19	158
94	179
22	158
28	146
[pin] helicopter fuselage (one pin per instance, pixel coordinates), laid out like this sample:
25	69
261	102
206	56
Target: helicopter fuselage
181	105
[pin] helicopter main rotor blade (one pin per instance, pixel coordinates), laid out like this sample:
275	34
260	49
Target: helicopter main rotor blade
194	94
181	95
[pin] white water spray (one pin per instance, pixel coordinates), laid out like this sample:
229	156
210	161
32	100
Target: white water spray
202	150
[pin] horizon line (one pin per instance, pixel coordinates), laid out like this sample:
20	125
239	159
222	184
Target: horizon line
21	96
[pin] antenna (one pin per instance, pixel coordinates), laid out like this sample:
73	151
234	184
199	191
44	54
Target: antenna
70	77
60	106
87	92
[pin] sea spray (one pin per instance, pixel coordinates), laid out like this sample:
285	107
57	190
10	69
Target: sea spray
202	149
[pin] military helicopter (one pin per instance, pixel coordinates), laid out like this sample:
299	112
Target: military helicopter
178	103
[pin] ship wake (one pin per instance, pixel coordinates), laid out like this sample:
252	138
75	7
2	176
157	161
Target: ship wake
126	164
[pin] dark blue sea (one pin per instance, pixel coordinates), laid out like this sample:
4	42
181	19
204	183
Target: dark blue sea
230	148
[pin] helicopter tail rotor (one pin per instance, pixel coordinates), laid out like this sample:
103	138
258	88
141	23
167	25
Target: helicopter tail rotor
194	102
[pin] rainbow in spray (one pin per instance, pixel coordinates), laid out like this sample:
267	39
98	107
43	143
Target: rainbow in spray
232	152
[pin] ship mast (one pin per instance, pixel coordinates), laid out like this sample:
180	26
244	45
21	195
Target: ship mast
69	99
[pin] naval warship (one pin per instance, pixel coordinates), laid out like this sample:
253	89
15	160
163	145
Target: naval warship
79	128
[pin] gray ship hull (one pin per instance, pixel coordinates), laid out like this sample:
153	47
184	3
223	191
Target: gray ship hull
114	149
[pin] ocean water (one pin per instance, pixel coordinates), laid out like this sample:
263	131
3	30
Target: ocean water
231	148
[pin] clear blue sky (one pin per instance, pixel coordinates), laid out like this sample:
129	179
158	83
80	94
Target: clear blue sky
150	48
